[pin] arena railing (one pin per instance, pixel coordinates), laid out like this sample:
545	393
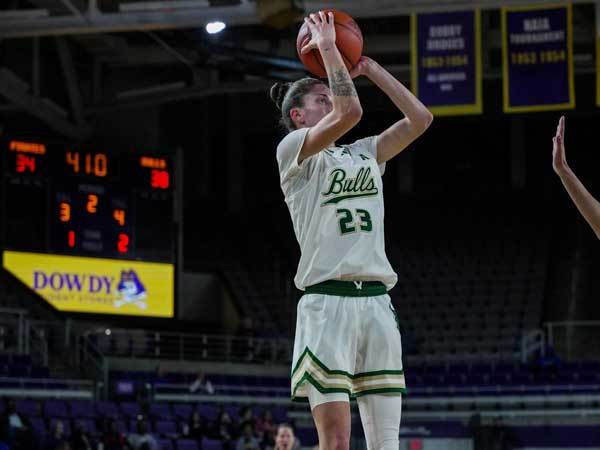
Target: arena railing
46	339
146	344
574	340
92	363
15	317
37	345
47	388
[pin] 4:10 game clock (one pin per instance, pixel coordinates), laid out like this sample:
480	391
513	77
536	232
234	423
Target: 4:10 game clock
78	199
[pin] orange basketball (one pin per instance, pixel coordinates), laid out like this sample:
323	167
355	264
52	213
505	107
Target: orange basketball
348	40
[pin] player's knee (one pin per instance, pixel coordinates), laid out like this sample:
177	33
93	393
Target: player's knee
383	436
342	443
336	441
387	443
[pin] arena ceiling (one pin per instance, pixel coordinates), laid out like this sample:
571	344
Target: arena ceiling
66	60
60	17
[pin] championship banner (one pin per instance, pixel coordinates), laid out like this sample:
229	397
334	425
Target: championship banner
597	58
537	58
95	285
446	61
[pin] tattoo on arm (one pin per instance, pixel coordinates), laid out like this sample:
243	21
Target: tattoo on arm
341	84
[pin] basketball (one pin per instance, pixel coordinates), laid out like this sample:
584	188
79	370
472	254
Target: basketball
348	40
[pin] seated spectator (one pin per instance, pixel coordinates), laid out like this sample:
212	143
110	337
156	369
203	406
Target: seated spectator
201	385
56	438
80	439
285	438
247	441
196	426
247	417
15	429
142	439
265	429
112	439
185	431
224	430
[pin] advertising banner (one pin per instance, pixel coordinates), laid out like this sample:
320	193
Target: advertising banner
95	285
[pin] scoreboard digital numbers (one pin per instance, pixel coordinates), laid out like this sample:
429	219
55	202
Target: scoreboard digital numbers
82	200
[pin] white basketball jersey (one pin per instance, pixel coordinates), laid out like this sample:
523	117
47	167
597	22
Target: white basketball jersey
335	200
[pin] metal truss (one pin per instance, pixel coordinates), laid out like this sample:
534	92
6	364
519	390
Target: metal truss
156	15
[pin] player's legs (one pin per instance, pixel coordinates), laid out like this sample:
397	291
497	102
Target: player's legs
331	413
380	417
380	352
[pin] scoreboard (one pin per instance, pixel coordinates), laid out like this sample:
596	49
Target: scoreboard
83	200
90	229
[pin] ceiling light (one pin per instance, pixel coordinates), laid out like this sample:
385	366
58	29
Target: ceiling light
215	27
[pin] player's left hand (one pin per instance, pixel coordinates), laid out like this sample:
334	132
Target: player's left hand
363	67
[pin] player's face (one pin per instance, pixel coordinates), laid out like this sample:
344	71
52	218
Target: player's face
284	439
317	104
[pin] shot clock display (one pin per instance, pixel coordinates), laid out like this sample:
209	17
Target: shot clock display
87	201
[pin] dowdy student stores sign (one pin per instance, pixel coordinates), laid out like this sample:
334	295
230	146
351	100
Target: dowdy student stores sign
95	285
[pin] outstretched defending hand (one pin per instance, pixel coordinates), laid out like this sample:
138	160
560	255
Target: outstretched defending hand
559	159
587	205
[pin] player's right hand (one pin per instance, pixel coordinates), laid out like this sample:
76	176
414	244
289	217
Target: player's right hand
559	159
322	31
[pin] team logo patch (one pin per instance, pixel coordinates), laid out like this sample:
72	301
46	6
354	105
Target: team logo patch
344	187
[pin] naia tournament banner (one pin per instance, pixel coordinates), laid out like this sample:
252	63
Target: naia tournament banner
446	61
95	285
537	58
597	58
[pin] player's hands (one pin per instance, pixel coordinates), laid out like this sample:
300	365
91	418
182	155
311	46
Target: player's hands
322	31
559	159
362	67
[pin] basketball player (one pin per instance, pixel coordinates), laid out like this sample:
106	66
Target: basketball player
347	340
587	205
